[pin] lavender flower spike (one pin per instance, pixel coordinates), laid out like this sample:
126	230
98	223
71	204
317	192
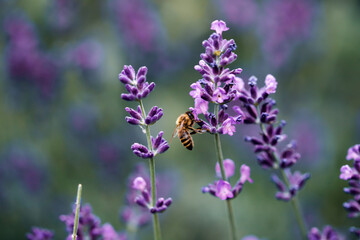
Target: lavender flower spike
256	107
138	88
352	175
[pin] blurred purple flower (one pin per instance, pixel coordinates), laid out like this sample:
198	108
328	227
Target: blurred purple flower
62	14
250	237
241	13
283	24
85	55
26	63
40	234
328	233
20	163
108	233
138	206
83	118
138	24
89	224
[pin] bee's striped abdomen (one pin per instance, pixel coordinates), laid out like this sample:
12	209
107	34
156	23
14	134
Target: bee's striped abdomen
186	139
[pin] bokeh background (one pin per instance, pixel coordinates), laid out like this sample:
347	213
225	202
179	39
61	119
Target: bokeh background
62	119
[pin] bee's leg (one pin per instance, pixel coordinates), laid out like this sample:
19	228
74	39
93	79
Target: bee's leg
195	130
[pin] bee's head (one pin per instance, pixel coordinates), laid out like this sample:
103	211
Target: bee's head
190	114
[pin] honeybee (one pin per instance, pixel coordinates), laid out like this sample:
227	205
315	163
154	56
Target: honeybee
184	129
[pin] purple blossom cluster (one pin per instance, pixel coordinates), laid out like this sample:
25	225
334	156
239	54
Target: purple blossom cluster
85	55
159	145
328	233
19	163
89	228
135	83
296	182
133	215
144	198
40	234
89	224
242	13
222	188
26	62
138	198
257	108
219	85
352	175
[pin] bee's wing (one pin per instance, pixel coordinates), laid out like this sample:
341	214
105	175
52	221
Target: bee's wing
174	133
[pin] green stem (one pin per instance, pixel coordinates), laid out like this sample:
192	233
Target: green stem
223	175
156	224
76	220
296	206
294	201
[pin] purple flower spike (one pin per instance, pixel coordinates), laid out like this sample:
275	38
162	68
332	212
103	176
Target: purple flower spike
141	151
223	190
270	84
40	234
245	174
328	233
160	145
219	26
139	184
354	153
229	166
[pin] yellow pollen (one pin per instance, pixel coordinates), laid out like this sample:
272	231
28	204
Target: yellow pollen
217	53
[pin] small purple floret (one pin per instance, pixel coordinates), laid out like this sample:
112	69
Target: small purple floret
141	151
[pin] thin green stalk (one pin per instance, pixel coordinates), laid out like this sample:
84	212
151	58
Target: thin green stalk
76	220
223	175
294	201
296	206
156	224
